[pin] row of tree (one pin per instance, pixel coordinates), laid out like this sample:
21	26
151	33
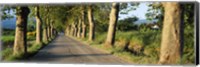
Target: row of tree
45	29
73	20
172	28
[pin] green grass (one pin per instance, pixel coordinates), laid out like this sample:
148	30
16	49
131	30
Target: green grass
141	47
7	53
8	32
150	42
33	49
7	38
30	38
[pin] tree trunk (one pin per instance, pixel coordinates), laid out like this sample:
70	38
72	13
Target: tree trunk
20	43
79	28
52	30
45	35
112	25
49	30
38	26
91	23
75	29
68	29
170	44
72	30
83	34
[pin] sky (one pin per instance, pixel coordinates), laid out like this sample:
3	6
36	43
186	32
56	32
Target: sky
139	12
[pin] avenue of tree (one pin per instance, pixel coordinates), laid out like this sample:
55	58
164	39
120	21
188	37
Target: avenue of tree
79	21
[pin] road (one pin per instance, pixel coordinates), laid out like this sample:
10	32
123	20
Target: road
66	50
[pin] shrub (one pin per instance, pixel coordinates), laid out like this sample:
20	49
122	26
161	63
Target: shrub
33	33
122	39
136	46
6	53
100	38
7	38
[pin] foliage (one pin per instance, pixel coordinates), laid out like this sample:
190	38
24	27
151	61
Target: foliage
155	12
188	51
125	8
7	12
101	16
7	38
31	25
127	24
138	44
31	35
6	53
149	40
8	32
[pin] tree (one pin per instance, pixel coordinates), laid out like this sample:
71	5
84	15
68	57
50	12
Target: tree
127	24
170	43
20	43
91	23
79	27
155	12
83	34
38	26
112	24
45	32
101	16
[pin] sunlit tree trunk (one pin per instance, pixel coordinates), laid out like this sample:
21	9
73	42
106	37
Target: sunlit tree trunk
79	28
69	29
83	34
38	26
75	31
170	44
45	35
91	23
72	29
112	25
20	43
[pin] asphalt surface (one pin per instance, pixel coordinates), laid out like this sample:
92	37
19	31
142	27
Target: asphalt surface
67	50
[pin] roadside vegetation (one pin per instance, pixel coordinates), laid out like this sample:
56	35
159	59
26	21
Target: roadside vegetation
168	40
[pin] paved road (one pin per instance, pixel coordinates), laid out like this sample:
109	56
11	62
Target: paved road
67	50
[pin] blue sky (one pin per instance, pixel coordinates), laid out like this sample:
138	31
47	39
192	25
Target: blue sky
139	12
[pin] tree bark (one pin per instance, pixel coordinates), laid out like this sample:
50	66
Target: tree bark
52	30
45	35
170	44
83	34
75	29
38	26
69	29
79	28
48	30
20	43
91	23
66	30
112	25
72	29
